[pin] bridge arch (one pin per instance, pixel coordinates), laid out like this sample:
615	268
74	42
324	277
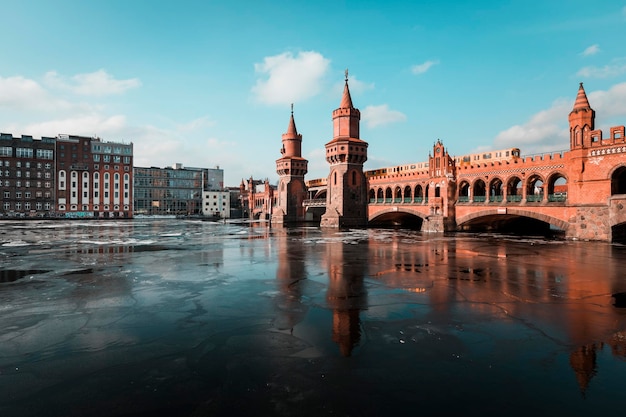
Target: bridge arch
479	190
557	186
534	187
320	194
396	212
419	194
618	179
514	188
496	189
464	191
408	197
388	195
397	194
554	221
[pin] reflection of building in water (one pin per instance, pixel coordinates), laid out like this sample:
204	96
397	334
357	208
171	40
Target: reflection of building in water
291	271
346	294
558	290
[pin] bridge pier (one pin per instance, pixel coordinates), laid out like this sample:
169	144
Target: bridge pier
433	224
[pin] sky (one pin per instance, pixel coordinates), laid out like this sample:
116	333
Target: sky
211	83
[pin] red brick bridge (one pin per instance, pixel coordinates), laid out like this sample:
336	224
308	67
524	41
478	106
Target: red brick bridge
580	192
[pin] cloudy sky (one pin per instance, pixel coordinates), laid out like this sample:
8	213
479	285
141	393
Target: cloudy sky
208	83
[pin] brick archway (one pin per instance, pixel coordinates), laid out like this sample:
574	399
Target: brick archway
396	210
561	224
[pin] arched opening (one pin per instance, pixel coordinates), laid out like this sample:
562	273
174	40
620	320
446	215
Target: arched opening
380	197
354	178
534	189
419	194
495	190
464	192
479	191
372	195
437	191
397	195
407	194
426	192
388	195
557	188
514	190
618	181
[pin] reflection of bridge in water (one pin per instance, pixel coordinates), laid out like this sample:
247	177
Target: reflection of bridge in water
579	192
403	281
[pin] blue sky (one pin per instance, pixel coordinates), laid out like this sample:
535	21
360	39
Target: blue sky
209	83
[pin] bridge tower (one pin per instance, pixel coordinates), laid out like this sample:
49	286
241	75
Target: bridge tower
581	121
441	191
291	168
346	198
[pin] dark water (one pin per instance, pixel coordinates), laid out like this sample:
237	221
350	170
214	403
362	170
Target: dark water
182	318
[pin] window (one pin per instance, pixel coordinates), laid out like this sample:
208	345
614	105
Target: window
23	152
44	154
18	194
6	151
27	194
7	194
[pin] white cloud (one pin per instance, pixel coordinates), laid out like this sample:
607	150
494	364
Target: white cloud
422	68
288	78
614	69
19	93
381	115
548	130
591	50
610	103
86	125
196	124
545	131
98	83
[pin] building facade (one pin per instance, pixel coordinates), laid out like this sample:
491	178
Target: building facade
175	190
216	204
27	176
94	178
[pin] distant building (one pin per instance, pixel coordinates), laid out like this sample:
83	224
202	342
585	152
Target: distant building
94	178
26	176
175	190
257	199
216	204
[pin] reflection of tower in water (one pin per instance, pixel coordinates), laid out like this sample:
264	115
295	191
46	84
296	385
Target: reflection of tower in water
290	272
346	294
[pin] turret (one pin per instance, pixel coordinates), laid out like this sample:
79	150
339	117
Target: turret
581	121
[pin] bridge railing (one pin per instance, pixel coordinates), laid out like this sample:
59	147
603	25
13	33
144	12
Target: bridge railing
314	202
557	198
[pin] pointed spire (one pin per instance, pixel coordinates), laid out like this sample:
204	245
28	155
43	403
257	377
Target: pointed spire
346	100
581	99
291	129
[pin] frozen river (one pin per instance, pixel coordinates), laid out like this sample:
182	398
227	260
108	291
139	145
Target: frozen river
190	318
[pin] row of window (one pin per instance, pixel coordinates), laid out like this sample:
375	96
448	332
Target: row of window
28	194
18	174
27	184
7	205
122	150
107	158
27	152
26	164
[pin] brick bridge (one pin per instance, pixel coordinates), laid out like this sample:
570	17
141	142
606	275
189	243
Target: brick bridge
580	191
